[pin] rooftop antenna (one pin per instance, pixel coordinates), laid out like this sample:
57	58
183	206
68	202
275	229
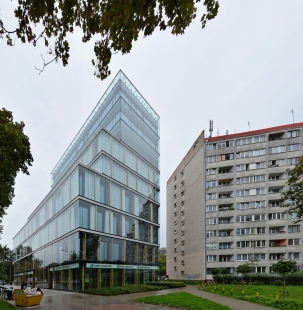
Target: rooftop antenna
218	132
211	128
235	130
227	132
248	126
293	115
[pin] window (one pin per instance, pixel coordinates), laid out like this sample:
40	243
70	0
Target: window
182	252
211	159
251	192
212	221
175	223
225	144
182	262
293	147
211	171
292	216
182	232
175	205
250	140
211	208
224	233
175	196
182	173
294	228
211	196
276	256
175	178
294	255
182	242
293	134
175	231
211	246
274	203
224	245
293	242
211	233
182	222
260	269
292	161
182	183
251	179
224	157
182	203
276	162
276	216
252	166
251	205
251	231
251	244
175	268
182	212
175	186
182	193
251	218
224	220
211	146
277	149
211	258
251	153
246	257
175	259
211	184
175	213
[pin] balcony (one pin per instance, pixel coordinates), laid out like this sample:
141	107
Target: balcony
226	207
275	203
276	136
277	243
277	230
225	169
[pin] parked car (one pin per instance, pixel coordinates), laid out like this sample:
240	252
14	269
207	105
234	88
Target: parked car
2	282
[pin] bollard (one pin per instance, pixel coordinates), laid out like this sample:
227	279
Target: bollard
257	295
277	298
231	292
223	289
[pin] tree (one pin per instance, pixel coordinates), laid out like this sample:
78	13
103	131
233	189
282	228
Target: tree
253	262
162	263
224	271
15	155
244	269
117	24
293	196
6	261
282	267
215	273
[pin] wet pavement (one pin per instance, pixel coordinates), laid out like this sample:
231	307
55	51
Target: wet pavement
63	300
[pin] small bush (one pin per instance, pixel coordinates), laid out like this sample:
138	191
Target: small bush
278	283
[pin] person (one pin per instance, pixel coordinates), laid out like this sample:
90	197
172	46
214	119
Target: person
23	285
39	290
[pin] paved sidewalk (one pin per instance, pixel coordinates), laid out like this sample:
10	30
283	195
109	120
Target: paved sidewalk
57	300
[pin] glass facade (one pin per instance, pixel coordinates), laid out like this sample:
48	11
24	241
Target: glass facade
99	224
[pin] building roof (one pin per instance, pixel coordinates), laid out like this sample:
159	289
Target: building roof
255	132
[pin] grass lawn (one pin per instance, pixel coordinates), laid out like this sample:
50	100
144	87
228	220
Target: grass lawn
4	305
267	295
183	300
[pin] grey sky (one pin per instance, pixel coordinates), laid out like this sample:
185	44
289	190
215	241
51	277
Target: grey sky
246	65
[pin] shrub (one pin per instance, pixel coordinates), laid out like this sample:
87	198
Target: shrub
278	282
167	284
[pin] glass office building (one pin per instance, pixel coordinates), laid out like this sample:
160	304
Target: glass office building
99	224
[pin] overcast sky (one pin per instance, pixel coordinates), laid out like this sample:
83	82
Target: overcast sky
245	66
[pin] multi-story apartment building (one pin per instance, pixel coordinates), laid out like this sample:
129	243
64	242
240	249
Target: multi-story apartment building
98	226
223	203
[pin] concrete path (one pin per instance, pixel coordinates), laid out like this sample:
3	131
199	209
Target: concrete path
63	300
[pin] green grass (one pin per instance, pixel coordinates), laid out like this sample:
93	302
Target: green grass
267	295
183	300
4	305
